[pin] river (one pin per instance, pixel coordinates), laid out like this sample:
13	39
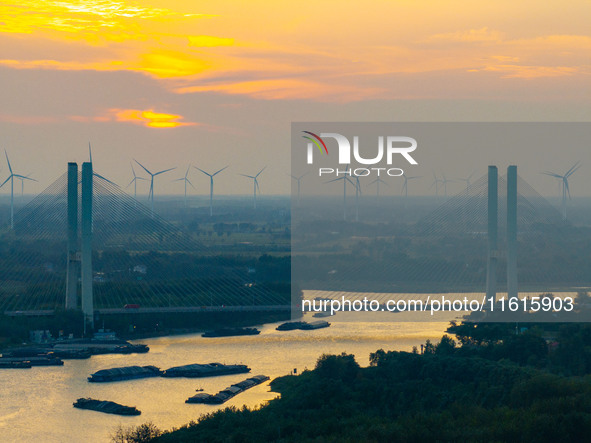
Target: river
36	403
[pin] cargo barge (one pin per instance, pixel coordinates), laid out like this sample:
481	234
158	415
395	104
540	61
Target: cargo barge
124	373
302	325
231	332
6	362
205	370
228	393
108	407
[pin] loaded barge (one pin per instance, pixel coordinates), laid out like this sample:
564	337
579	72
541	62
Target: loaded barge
206	370
228	393
231	332
124	373
108	407
302	325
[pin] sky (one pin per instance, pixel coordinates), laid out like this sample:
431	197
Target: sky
177	83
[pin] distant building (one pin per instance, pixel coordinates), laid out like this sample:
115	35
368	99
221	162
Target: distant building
40	336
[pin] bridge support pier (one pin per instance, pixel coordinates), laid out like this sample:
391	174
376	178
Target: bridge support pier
512	232
493	227
86	246
73	265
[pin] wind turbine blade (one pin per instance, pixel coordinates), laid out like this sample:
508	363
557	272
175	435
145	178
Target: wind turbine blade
261	171
130	183
349	180
9	177
335	179
187	173
217	172
572	171
132	170
249	176
567	188
145	169
178	180
375	181
162	172
89	152
206	173
552	174
257	184
8	161
189	181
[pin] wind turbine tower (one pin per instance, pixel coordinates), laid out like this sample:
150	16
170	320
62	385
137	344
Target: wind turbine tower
255	185
444	182
134	181
405	184
298	179
186	180
435	183
11	177
211	176
346	180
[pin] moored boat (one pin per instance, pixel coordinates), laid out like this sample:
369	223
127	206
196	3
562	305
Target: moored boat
231	332
108	407
124	373
205	370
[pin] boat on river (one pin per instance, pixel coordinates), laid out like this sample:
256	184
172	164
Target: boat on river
108	407
205	370
124	373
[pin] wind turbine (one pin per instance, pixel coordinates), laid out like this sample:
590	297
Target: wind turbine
211	176
467	180
405	184
186	180
255	184
357	193
345	179
298	179
565	188
11	177
134	181
445	181
435	183
377	182
23	184
151	193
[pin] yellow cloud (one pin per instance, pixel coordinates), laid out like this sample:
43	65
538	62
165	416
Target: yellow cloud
529	72
207	41
90	20
149	118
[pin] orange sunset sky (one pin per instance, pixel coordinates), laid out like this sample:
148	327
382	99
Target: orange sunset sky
214	83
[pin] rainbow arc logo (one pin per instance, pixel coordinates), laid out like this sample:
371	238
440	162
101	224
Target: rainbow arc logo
316	141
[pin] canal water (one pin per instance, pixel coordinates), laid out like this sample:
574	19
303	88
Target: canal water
36	403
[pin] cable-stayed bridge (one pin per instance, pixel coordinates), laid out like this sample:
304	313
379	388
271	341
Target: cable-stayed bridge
84	243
